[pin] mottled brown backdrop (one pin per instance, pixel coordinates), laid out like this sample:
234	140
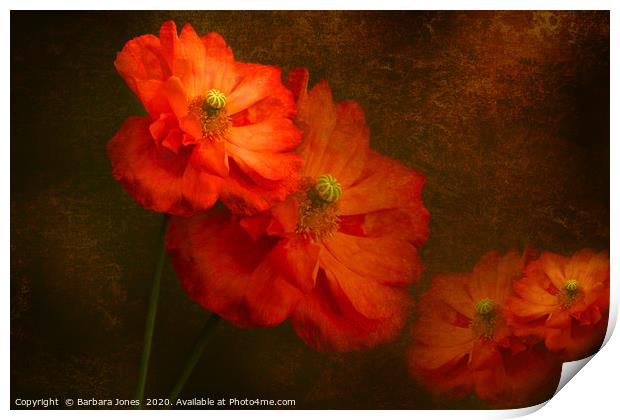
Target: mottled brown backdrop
507	113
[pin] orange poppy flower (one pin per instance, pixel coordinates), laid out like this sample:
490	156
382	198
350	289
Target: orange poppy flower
462	343
217	128
336	256
565	301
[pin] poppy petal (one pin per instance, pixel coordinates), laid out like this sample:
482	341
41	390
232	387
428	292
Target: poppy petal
220	64
247	192
143	67
326	320
224	270
385	260
386	184
152	174
270	135
256	82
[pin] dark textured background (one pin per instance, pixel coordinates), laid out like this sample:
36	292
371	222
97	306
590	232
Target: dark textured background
507	113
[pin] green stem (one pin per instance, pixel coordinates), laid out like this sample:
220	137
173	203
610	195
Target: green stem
151	314
193	358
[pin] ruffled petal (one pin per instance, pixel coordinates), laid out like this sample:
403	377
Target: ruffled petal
278	105
200	188
190	124
385	260
493	276
255	83
284	217
526	309
369	297
268	166
270	135
531	377
385	184
409	223
201	63
326	320
195	55
142	65
533	291
246	192
221	74
484	355
348	147
266	169
440	334
211	157
451	381
142	59
429	357
346	311
177	96
256	225
490	383
316	117
185	56
589	268
271	297
336	137
584	340
435	314
297	81
151	94
161	127
151	174
174	140
297	260
553	267
226	271
438	342
451	289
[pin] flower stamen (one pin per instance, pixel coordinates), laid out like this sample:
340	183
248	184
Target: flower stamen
485	319
214	120
318	207
570	293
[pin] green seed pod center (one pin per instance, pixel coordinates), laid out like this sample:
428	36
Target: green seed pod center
485	307
328	188
571	286
216	99
486	320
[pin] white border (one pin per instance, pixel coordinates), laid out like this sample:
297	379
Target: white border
311	5
593	395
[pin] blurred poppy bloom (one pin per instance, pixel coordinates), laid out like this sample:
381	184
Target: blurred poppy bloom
336	256
565	301
462	343
216	127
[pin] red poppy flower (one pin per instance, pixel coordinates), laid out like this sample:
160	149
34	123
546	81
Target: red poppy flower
336	256
462	343
217	128
565	301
